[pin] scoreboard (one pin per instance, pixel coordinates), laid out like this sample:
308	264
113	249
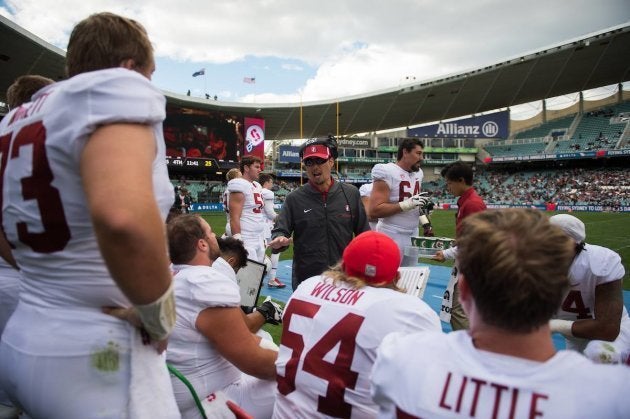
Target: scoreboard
192	164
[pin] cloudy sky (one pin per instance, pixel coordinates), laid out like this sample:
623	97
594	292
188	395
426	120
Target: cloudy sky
326	49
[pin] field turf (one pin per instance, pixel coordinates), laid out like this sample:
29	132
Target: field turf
611	230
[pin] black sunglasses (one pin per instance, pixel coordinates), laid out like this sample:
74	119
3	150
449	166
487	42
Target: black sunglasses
315	161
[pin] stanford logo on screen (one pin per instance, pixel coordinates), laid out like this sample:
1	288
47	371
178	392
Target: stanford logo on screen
254	136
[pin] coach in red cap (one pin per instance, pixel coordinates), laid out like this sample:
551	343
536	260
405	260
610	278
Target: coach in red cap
350	307
323	215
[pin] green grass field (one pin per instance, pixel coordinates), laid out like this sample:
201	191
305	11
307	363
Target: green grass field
610	230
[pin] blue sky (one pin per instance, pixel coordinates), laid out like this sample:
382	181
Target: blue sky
226	80
327	49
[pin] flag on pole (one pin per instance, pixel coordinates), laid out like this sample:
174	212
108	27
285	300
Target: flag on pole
199	73
249	80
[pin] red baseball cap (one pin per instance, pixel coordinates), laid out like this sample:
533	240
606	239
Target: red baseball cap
317	150
373	257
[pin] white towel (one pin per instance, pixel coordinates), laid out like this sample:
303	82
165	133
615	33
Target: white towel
151	393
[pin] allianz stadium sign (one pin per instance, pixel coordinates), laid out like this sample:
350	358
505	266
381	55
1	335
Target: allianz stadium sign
494	125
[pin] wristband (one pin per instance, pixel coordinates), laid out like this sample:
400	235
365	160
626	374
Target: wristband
406	205
564	327
237	236
158	317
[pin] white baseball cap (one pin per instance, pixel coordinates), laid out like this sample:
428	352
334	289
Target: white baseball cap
571	225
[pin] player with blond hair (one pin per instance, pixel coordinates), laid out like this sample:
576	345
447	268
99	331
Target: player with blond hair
332	326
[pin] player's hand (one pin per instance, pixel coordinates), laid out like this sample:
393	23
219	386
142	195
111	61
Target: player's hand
418	200
131	316
279	242
427	209
272	312
237	236
439	256
428	231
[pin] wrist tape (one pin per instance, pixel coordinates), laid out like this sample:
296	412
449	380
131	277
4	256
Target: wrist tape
563	327
158	317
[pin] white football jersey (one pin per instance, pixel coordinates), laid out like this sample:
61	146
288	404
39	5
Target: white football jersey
402	185
226	209
366	189
432	375
270	215
197	288
252	217
45	215
329	341
593	266
9	293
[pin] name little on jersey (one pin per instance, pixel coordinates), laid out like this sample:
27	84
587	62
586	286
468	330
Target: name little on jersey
475	397
330	292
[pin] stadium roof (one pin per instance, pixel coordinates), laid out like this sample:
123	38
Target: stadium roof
592	61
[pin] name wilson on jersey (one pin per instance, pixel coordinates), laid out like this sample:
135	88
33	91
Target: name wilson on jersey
330	292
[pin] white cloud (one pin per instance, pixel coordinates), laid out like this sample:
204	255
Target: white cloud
357	46
292	67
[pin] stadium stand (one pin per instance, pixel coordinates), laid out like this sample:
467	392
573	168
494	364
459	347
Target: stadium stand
547	129
525	147
606	186
597	130
601	129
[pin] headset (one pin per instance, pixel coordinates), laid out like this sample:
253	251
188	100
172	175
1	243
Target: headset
329	142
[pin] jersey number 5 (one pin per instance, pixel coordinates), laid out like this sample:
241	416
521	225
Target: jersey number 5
258	200
37	186
338	374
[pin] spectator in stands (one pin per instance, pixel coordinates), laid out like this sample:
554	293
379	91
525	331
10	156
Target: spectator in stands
21	91
245	203
607	187
513	274
212	344
353	306
592	316
102	128
396	199
266	181
459	182
323	215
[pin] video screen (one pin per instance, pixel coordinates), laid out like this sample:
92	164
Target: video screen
202	134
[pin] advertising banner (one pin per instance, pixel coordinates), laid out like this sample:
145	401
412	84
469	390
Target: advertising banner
353	142
288	154
494	125
255	138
